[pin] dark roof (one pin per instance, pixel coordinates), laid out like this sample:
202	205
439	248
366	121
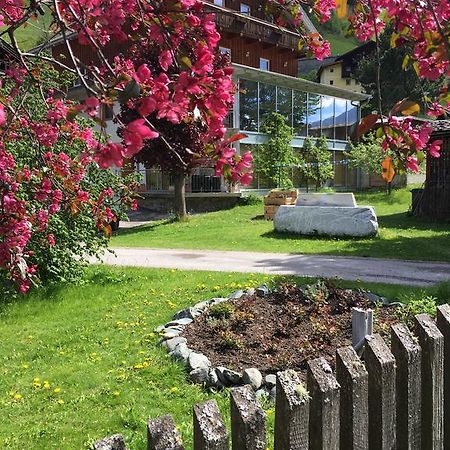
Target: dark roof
306	65
367	47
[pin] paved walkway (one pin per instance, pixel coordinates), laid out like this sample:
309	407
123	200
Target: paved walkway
414	273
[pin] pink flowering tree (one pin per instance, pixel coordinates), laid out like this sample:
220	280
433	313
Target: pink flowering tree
180	85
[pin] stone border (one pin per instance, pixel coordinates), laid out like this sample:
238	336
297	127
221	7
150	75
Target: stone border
200	369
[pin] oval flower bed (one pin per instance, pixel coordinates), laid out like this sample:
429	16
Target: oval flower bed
250	336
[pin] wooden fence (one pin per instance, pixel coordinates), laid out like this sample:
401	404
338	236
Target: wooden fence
399	398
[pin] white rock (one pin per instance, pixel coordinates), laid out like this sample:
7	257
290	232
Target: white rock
252	377
179	322
198	361
181	353
270	381
199	375
327	220
170	344
321	199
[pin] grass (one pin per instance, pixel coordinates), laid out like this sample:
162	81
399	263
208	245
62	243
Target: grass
94	346
243	228
340	44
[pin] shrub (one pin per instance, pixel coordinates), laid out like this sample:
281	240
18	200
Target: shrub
251	199
425	304
229	340
221	310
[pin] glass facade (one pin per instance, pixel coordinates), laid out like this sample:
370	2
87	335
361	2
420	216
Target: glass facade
309	114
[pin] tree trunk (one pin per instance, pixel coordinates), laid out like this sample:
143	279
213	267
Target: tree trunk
180	197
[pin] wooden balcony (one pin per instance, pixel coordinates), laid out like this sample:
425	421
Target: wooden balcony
253	28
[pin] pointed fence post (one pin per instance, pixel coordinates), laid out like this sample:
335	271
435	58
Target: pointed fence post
354	412
291	413
248	421
162	434
324	406
408	357
210	432
380	365
432	343
443	323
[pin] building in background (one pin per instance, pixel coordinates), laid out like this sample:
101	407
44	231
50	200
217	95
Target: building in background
340	70
265	58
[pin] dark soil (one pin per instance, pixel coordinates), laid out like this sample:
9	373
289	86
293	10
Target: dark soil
284	329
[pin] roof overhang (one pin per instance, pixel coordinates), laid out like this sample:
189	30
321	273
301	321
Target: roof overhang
300	84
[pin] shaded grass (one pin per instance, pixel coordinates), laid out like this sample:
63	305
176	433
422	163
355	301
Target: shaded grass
243	228
95	343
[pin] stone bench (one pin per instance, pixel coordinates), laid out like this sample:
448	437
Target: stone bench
327	215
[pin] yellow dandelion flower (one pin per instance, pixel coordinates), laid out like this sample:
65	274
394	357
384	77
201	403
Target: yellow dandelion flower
25	366
46	385
61	401
174	389
57	390
116	393
17	396
36	380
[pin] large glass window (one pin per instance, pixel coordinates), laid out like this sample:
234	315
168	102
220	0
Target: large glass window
267	101
248	103
328	117
340	118
284	104
300	113
314	107
352	118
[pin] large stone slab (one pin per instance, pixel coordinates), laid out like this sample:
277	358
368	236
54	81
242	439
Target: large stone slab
327	220
321	199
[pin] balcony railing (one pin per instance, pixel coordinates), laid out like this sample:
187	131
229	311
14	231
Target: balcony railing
253	28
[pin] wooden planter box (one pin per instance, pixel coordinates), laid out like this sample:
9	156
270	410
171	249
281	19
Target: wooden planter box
277	198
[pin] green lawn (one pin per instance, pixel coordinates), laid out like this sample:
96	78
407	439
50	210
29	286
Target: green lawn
78	363
243	228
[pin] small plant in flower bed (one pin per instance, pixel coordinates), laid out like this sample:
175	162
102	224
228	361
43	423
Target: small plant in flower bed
284	329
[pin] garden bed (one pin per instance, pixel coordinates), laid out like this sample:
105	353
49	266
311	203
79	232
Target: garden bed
274	331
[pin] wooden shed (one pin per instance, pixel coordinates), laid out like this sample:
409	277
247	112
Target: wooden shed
434	200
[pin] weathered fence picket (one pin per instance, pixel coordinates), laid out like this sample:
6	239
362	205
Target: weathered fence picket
210	432
380	364
443	323
353	378
408	357
397	399
432	343
248	420
324	406
292	413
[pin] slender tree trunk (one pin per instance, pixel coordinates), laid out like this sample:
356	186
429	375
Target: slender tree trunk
180	197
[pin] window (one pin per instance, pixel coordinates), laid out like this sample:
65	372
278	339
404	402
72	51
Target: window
108	112
267	100
328	117
248	102
340	118
219	2
245	9
284	103
348	81
300	112
314	107
331	70
225	51
264	64
331	82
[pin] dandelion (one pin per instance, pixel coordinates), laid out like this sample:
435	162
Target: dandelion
46	385
25	366
17	396
174	390
61	401
57	390
116	393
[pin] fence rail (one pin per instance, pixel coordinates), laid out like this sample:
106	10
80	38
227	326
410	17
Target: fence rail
397	398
